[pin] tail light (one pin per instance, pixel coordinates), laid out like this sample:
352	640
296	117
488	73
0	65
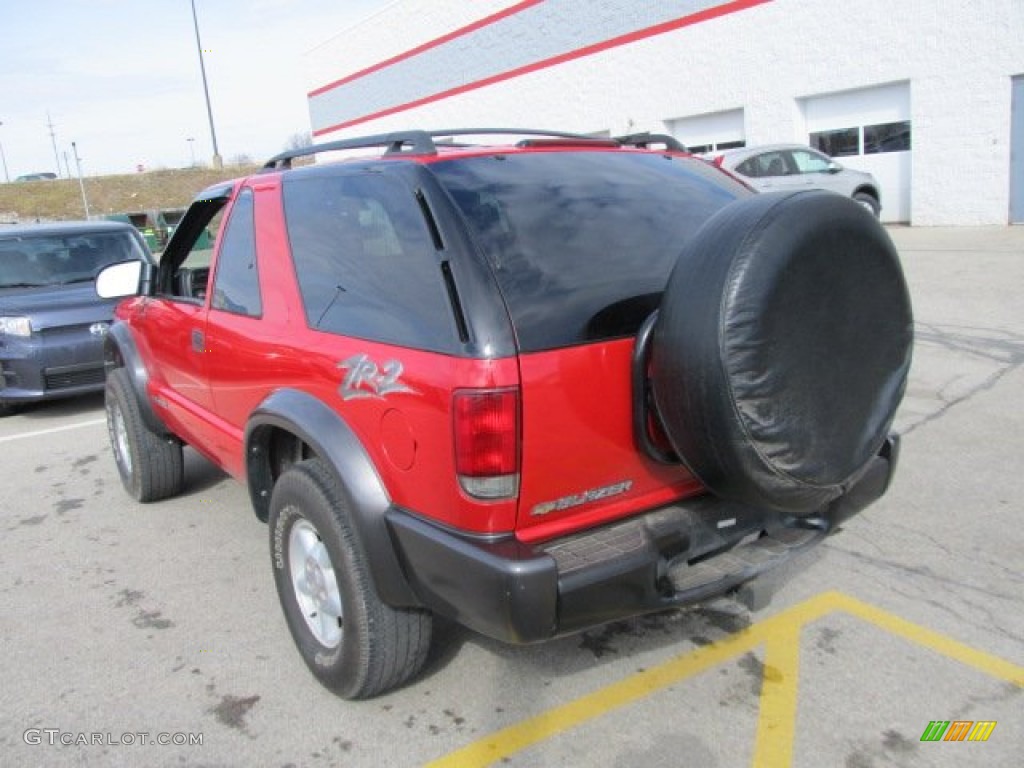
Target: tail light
487	442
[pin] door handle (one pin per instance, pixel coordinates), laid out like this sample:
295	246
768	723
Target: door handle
198	341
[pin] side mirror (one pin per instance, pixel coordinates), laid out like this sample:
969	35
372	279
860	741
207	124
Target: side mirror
127	278
834	167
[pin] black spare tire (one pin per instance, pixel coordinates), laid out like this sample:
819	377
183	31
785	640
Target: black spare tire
781	349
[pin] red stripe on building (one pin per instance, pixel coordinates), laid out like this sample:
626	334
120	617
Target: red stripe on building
460	32
615	42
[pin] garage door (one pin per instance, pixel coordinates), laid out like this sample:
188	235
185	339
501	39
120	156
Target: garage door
868	129
1017	153
711	131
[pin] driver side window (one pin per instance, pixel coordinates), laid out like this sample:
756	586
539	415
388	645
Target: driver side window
809	162
189	253
236	286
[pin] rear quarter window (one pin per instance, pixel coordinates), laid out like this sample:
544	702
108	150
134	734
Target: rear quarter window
365	260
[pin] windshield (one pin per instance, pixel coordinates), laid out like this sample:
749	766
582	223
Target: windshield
582	243
38	260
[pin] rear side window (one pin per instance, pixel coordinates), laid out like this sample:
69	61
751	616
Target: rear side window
365	260
582	243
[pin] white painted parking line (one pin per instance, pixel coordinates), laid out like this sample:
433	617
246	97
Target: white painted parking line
52	430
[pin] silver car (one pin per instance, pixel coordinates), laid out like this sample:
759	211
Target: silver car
777	167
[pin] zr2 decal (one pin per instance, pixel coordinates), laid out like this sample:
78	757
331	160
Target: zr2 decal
365	379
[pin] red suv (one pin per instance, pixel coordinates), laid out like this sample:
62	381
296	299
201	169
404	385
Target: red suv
531	386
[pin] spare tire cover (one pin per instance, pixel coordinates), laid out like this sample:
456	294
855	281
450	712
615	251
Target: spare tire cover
781	349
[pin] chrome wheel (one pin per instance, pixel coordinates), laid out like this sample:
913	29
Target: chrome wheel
315	585
120	433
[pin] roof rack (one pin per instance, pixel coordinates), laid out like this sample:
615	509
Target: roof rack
644	140
422	142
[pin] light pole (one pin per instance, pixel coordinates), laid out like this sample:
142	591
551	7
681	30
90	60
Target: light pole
7	177
53	140
81	184
217	162
192	150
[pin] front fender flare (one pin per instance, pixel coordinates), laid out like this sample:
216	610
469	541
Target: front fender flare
320	427
121	351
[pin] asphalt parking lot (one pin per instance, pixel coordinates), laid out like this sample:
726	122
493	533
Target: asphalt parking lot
123	625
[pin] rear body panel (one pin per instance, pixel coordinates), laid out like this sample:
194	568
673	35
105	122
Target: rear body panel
580	466
581	244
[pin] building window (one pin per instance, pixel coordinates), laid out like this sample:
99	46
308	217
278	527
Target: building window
698	149
887	137
843	142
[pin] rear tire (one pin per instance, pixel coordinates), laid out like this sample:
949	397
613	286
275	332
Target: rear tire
151	465
354	643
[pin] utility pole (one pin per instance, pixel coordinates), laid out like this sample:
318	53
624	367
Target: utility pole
53	139
81	184
7	177
67	167
217	162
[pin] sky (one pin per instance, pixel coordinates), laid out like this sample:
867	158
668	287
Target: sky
121	79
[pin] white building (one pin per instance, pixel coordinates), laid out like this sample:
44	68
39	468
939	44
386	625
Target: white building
926	94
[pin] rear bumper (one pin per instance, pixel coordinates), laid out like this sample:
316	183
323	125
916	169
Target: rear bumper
673	556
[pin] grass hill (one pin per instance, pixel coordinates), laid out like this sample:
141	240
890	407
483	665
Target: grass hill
61	199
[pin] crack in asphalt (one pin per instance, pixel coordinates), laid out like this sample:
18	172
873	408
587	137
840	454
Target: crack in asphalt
988	624
1002	347
923	572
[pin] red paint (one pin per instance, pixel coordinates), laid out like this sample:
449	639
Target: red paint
631	37
577	416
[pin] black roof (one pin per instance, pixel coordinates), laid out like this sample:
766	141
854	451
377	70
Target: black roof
63	228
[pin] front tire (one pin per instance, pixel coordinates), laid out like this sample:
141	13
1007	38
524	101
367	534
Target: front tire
354	643
151	465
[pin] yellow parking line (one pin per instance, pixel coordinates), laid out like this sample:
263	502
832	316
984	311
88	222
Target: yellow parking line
780	635
774	744
552	722
947	646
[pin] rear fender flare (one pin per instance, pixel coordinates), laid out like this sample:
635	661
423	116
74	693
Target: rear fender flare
327	434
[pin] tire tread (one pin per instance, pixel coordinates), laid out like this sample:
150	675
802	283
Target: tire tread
157	461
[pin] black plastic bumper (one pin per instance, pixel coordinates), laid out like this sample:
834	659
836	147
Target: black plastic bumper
672	556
